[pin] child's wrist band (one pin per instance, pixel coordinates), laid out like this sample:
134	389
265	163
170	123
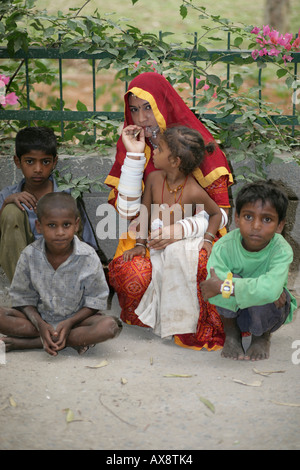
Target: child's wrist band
227	287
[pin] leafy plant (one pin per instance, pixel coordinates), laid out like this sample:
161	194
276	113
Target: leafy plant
251	134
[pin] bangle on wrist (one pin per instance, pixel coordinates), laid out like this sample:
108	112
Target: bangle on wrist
206	240
141	244
210	234
135	154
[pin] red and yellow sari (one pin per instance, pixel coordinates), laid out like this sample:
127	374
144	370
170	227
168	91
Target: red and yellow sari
130	279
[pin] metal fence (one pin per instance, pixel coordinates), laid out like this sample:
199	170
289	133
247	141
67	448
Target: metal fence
227	56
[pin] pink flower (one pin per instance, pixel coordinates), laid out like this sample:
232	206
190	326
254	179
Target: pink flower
255	30
296	43
274	52
206	87
11	98
263	52
2	84
4	79
266	30
287	58
274	36
254	54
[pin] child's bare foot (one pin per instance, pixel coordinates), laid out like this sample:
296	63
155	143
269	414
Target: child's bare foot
13	343
233	349
259	348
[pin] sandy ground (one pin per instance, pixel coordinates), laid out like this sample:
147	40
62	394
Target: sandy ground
133	402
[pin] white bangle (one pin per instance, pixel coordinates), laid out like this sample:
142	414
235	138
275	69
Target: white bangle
135	154
206	240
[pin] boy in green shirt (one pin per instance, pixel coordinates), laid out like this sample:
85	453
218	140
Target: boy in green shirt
258	258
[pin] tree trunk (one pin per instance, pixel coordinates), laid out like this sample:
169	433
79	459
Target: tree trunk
277	14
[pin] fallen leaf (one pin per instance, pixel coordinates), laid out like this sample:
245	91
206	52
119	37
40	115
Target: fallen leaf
267	373
123	381
102	364
70	415
178	375
12	402
256	383
285	404
208	404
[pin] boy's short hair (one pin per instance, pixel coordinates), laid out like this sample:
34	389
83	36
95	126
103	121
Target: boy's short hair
36	138
188	145
58	200
263	191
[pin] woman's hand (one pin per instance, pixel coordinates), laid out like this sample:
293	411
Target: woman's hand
136	251
133	138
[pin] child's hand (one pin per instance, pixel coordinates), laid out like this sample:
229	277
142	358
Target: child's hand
211	286
136	251
133	138
281	301
160	238
207	247
61	333
48	335
18	199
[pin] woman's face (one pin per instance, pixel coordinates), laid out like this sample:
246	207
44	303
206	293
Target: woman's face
143	116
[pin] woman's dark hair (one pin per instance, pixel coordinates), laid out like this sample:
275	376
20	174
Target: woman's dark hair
188	145
57	200
36	138
265	191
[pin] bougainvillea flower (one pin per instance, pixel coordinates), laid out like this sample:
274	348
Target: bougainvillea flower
11	98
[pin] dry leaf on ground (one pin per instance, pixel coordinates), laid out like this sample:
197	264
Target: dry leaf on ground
102	364
208	404
267	373
256	383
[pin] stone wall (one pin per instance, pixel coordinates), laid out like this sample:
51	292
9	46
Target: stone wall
106	220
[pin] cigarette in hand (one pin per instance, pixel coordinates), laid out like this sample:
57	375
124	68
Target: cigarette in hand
137	133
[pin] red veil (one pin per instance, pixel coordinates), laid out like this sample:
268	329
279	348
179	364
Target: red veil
169	109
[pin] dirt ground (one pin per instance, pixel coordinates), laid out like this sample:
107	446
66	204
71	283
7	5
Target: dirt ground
141	393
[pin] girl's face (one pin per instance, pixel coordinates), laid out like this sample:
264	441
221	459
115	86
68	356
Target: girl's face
161	156
142	115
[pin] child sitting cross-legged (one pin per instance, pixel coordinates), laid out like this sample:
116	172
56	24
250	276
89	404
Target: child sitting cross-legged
58	288
256	259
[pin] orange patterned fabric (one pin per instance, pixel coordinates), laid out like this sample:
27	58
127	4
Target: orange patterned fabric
210	333
130	280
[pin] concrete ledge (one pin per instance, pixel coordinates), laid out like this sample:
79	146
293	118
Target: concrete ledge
95	165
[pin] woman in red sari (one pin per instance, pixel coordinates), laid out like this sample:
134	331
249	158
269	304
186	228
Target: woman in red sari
152	104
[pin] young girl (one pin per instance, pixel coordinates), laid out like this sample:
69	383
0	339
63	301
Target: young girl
172	189
171	201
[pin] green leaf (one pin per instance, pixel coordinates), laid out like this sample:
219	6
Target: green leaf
81	106
207	403
281	73
183	11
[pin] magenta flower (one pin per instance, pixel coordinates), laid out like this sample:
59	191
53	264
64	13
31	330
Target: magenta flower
4	79
255	30
11	98
5	99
